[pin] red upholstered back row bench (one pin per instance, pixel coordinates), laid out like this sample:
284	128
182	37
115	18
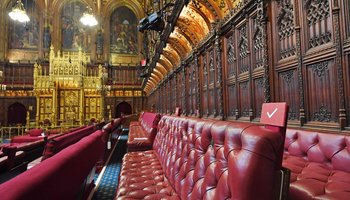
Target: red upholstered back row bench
19	154
63	176
143	132
319	164
204	159
58	143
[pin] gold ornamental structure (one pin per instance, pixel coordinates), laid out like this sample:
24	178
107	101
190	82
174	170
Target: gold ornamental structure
69	94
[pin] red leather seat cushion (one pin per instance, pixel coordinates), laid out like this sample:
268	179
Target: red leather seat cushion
319	165
35	132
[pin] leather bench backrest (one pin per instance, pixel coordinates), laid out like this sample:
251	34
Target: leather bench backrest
149	123
206	159
57	144
330	149
60	177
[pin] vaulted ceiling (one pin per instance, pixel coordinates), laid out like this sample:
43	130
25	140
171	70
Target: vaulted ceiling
195	22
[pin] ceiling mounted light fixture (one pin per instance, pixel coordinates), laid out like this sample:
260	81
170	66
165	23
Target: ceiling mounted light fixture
88	19
18	13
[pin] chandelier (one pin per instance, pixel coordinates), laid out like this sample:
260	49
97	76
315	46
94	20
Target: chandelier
88	19
19	13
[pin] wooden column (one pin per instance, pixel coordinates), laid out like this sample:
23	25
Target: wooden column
219	109
184	91
338	63
299	67
198	90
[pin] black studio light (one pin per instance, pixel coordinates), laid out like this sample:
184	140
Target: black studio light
152	22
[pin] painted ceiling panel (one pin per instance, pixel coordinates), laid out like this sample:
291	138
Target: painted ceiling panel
161	69
195	22
172	55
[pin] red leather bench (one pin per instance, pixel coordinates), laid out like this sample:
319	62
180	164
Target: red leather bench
142	133
58	143
63	176
319	164
19	154
204	159
138	122
30	136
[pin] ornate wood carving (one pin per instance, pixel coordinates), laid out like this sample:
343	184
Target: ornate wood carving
258	95
211	68
232	100
262	28
338	64
323	115
320	68
317	13
183	91
299	68
245	99
285	23
205	71
231	58
288	91
198	93
288	76
219	84
175	89
243	49
205	85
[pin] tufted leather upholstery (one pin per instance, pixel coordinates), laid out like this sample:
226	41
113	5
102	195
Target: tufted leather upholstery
138	121
203	159
142	134
319	164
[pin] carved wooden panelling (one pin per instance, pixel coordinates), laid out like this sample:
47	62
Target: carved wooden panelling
244	98
230	56
258	92
318	22
232	100
173	94
163	100
322	91
258	51
168	97
205	93
211	101
285	27
179	89
121	75
205	69
187	97
243	49
288	92
211	67
192	89
346	7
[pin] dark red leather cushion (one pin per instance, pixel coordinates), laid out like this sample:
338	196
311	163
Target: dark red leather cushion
204	159
35	132
142	134
59	177
319	163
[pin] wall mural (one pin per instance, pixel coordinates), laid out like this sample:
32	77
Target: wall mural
74	34
25	35
123	29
